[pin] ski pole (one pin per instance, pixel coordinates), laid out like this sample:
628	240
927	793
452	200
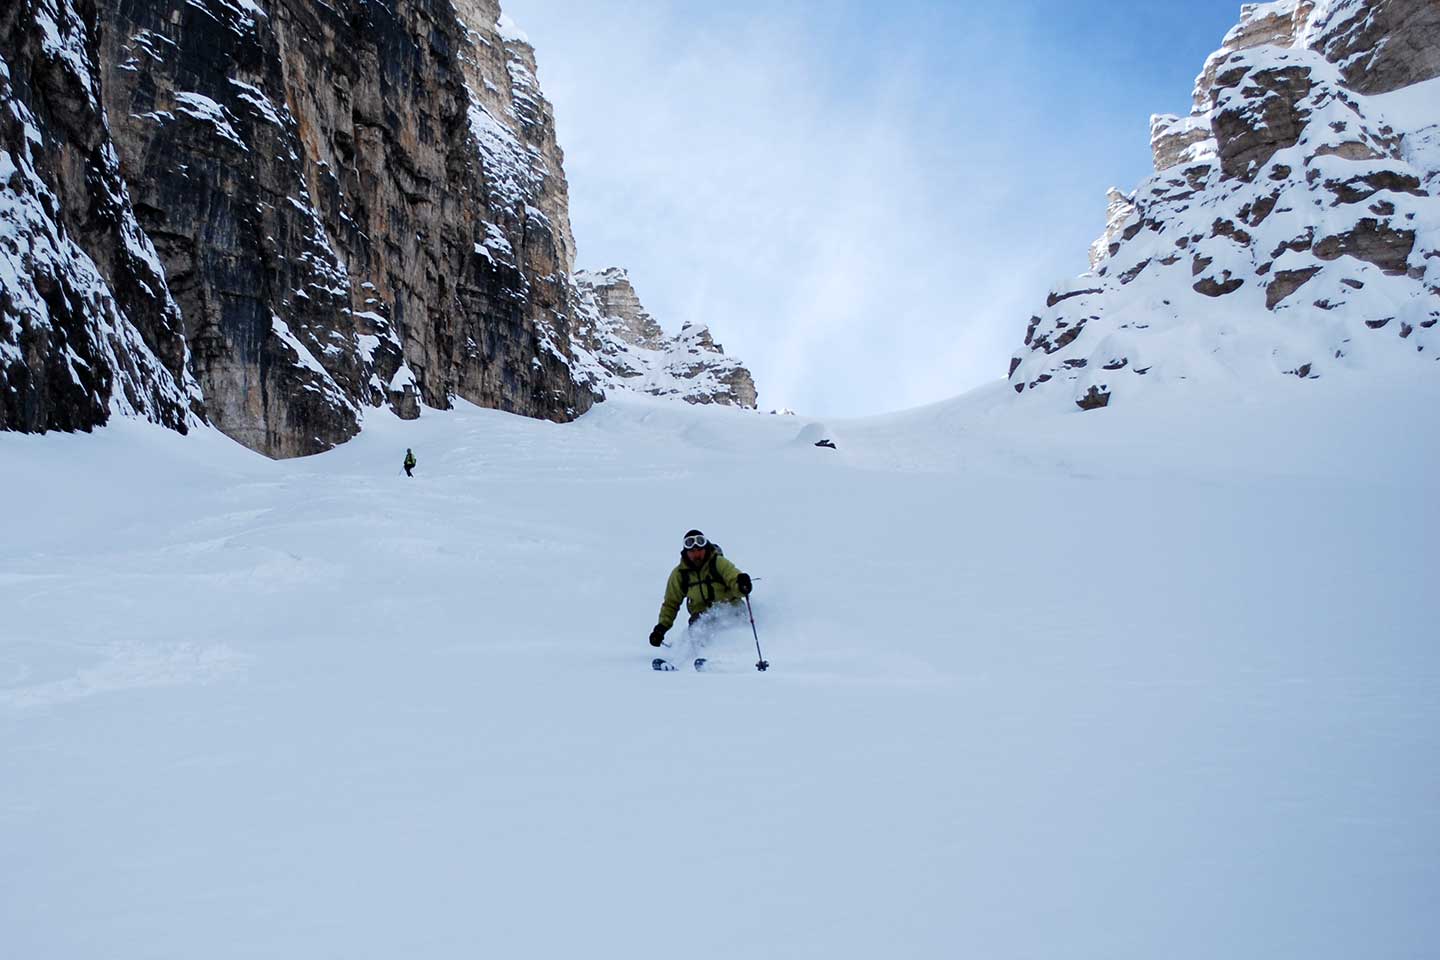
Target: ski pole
761	665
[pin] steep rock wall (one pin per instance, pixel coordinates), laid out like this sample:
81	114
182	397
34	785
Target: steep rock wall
87	323
354	204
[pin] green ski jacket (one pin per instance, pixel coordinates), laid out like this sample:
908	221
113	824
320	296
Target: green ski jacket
700	587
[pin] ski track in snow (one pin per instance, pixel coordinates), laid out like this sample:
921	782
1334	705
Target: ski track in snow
1152	681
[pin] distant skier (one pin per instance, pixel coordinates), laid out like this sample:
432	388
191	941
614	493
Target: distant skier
703	579
409	462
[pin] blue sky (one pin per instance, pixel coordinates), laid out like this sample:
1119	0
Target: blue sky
865	201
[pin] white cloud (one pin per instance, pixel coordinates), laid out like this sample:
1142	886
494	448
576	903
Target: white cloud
865	234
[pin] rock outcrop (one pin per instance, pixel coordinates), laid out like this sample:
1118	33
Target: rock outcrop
625	348
87	321
276	215
1292	225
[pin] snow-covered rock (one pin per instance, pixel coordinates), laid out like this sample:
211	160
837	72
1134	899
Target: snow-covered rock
296	212
88	326
1292	225
627	349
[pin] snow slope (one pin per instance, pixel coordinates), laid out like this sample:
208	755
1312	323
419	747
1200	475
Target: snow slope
1154	682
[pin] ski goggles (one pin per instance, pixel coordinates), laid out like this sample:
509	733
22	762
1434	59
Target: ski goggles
696	543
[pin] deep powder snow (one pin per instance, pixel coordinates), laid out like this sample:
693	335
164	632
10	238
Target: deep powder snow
1147	682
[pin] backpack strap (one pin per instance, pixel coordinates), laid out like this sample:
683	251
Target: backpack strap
701	579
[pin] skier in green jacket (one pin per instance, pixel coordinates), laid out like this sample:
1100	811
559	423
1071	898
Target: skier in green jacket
703	578
409	462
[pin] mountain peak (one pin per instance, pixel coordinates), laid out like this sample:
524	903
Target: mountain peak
625	347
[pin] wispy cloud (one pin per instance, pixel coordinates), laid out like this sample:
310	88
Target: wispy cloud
864	201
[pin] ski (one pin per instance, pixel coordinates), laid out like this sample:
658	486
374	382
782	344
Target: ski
713	666
661	664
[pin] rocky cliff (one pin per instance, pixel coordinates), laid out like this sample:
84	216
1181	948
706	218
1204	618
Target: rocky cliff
275	215
624	348
1292	226
87	322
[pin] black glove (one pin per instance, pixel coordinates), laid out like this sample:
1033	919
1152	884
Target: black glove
657	636
743	584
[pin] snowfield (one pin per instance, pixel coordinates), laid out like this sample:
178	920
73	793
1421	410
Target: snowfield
1158	681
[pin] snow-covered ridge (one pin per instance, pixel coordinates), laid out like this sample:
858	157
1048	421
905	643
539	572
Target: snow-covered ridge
1292	225
624	348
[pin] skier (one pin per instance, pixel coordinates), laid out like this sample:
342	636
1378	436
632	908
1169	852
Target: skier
703	578
409	462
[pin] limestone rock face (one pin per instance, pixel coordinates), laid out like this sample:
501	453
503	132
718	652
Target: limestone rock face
1292	225
1259	108
1380	45
626	348
1120	208
1176	140
615	299
354	204
88	326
